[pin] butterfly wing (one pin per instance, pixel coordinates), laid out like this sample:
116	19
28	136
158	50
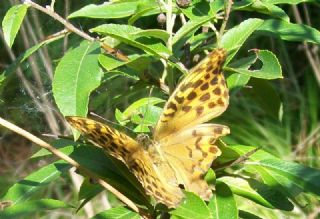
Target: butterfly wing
190	153
132	155
201	96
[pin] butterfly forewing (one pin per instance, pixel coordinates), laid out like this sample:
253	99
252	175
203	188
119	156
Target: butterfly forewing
131	154
201	96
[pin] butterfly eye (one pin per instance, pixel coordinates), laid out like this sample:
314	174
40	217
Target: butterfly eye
181	186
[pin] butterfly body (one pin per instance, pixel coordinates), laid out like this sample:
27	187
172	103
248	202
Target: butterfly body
182	148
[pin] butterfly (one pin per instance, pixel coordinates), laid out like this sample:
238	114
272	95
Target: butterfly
182	148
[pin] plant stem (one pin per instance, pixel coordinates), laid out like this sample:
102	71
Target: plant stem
74	163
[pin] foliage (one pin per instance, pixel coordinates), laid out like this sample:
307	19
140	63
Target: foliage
128	85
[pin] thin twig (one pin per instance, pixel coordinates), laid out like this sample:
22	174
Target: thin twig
43	52
225	18
302	145
74	163
49	11
56	16
240	159
312	60
46	105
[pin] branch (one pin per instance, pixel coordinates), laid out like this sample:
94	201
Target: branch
56	16
226	16
74	163
70	27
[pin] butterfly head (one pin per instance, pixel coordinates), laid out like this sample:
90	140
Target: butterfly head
144	140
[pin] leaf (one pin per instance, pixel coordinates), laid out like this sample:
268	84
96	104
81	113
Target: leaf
118	212
22	210
203	8
222	205
234	38
66	146
271	68
265	95
107	10
110	63
289	31
136	37
12	21
26	188
192	207
288	177
297	176
148	115
110	169
186	30
134	107
248	215
144	9
76	76
13	66
88	191
291	2
236	80
257	156
267	8
258	192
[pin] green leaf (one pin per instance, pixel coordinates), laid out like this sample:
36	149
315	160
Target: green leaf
22	210
147	116
202	8
258	192
267	8
136	106
265	95
156	33
248	215
192	207
237	80
257	156
24	189
64	145
291	2
288	177
88	191
189	28
148	40
119	212
76	76
289	31
110	169
222	205
297	176
107	10
12	21
271	68
144	9
12	67
234	38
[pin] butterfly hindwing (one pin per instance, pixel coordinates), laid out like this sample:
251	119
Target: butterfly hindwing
191	153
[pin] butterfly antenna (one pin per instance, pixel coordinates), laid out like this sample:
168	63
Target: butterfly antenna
109	121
